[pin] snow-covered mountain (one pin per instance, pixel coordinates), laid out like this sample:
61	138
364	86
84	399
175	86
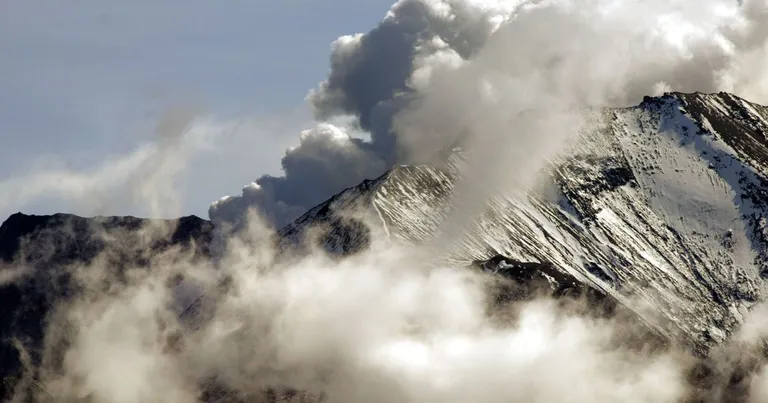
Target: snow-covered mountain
662	205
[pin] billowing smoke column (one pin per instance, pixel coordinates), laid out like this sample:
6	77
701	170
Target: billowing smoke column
372	77
435	70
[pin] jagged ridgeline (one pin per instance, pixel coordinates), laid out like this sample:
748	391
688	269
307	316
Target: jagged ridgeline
661	208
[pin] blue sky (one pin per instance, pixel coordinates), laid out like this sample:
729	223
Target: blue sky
84	82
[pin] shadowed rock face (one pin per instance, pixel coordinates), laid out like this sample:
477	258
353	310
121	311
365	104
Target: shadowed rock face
515	281
540	279
722	375
37	252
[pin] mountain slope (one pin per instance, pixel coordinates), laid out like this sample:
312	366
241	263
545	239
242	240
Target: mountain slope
50	253
37	257
662	205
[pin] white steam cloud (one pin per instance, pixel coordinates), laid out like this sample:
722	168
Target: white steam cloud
433	72
146	176
374	327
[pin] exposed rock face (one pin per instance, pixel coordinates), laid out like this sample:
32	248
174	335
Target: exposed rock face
36	257
537	279
664	202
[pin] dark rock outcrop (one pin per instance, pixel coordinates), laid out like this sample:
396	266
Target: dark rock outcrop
524	281
531	279
38	254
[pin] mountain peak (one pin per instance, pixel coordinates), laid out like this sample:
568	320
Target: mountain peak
666	205
692	97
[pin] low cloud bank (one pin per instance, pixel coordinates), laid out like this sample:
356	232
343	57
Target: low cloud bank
379	326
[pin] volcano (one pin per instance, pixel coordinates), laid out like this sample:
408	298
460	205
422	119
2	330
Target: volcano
661	208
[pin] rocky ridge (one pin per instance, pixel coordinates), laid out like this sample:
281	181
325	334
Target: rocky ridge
662	204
